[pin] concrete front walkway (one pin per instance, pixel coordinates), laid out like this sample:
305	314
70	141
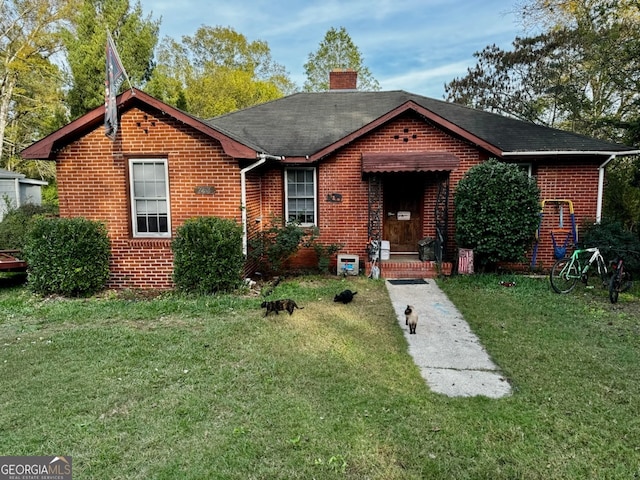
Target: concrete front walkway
448	353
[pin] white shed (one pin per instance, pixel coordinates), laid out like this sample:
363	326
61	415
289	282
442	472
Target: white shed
17	190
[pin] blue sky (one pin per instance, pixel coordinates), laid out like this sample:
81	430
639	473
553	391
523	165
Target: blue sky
412	45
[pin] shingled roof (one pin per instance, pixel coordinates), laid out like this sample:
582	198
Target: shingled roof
309	124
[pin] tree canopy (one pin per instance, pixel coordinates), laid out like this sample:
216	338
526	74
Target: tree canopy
135	37
336	50
30	84
581	73
216	71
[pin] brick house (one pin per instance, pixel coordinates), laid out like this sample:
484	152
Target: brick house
360	166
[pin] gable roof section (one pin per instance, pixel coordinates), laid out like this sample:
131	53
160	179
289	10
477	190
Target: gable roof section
46	148
311	125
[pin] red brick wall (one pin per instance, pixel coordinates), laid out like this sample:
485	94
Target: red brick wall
575	181
93	183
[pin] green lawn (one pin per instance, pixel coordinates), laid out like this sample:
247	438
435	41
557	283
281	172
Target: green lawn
206	387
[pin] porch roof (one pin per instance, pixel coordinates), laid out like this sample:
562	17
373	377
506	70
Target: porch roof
409	162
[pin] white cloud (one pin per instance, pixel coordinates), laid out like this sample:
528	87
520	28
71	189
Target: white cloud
429	81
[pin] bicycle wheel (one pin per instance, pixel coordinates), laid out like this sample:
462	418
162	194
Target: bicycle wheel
614	287
564	275
619	284
604	274
626	283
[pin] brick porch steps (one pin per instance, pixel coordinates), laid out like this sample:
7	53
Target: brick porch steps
409	268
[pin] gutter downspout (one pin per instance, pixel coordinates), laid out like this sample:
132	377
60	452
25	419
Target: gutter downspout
601	170
17	187
243	192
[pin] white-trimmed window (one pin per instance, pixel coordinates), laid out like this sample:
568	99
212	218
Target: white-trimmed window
149	180
526	167
300	195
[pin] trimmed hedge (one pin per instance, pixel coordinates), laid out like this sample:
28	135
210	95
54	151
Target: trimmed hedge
208	255
67	256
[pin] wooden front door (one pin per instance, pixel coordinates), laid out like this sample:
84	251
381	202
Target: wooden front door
402	221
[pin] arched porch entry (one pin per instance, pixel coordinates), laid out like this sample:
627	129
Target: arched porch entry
408	199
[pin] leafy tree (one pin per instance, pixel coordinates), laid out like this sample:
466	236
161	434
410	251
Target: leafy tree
30	85
550	14
614	240
35	112
497	209
622	194
217	71
336	50
580	74
135	37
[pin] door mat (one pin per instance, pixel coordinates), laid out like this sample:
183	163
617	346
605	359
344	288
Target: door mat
408	281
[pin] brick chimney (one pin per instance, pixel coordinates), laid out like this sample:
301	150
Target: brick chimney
343	79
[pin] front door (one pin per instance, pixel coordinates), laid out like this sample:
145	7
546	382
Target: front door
402	222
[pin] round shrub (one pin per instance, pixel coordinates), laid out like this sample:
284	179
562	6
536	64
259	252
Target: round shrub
208	255
14	228
67	256
497	209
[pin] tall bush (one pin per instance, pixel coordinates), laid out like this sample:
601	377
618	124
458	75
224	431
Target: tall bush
208	255
67	256
622	193
497	209
613	240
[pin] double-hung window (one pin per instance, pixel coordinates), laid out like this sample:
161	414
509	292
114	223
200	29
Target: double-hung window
300	196
149	181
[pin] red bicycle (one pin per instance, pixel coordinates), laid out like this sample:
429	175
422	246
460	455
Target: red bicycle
620	280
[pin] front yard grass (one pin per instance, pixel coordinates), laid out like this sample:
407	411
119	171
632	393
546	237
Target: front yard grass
197	387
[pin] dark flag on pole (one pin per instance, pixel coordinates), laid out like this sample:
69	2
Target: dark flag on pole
115	76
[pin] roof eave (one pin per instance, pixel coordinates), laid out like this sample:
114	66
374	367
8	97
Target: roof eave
46	148
32	181
555	153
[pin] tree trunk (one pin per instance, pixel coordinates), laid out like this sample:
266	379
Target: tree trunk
6	91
